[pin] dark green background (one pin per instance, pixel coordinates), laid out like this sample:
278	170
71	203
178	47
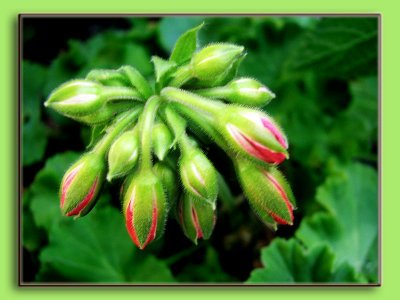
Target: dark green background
324	72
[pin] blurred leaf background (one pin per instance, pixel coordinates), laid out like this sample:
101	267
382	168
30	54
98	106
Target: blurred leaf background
324	72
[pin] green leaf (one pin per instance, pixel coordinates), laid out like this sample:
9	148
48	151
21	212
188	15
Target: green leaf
207	270
97	248
289	262
350	224
185	45
44	202
171	28
34	135
31	234
162	68
343	47
358	124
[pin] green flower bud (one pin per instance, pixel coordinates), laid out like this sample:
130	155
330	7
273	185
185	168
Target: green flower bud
245	91
82	97
169	181
198	175
104	114
268	192
108	77
145	208
197	218
76	98
215	60
81	184
123	154
162	140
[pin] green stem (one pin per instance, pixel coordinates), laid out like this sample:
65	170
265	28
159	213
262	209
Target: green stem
191	100
203	122
145	131
137	80
181	76
220	92
120	125
120	93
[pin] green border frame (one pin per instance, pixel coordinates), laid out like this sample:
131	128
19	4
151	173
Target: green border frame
9	56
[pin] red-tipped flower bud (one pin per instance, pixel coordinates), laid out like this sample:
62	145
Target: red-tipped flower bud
267	191
81	184
196	217
145	208
198	175
253	133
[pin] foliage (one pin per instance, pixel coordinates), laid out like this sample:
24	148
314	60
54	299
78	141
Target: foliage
324	73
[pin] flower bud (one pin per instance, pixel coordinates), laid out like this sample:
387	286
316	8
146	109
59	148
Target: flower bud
169	181
104	114
252	133
267	191
162	140
123	154
215	60
197	218
81	184
248	91
198	175
145	208
76	98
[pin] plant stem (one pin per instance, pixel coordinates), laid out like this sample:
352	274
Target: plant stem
181	76
191	100
120	93
220	92
145	131
137	80
122	123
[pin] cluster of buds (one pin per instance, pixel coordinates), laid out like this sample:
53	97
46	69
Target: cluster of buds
148	137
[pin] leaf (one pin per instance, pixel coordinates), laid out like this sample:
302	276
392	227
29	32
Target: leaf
171	28
358	124
34	135
97	248
185	45
350	224
343	47
31	235
289	262
208	270
44	202
162	68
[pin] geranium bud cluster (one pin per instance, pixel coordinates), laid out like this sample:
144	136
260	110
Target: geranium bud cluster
149	138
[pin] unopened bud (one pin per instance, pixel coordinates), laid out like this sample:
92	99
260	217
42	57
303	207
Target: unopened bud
267	191
145	208
162	140
253	133
123	154
76	98
169	181
81	184
197	218
198	175
215	60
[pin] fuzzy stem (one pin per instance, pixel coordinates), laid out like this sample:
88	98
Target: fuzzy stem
192	101
121	124
220	92
145	131
120	93
137	80
181	76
